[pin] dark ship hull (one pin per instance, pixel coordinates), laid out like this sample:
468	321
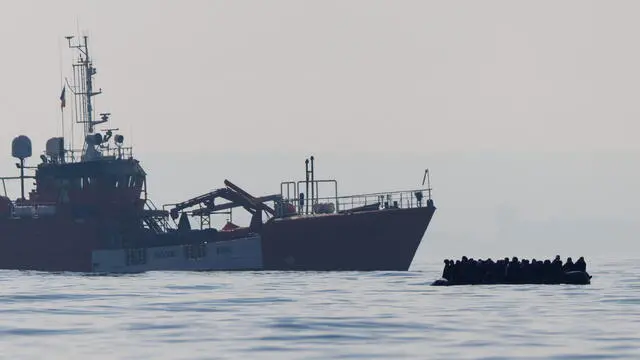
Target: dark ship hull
89	212
384	239
47	244
376	240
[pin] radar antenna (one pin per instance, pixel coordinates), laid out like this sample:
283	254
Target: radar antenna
83	72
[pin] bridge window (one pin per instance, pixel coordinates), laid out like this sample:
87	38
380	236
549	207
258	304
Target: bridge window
122	182
87	182
125	181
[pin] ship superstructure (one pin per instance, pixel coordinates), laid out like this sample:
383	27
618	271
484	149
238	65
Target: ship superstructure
89	211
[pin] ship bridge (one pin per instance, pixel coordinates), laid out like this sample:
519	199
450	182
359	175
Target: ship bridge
102	173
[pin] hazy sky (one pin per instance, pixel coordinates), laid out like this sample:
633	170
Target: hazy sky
526	111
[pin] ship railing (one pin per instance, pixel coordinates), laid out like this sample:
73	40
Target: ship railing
26	207
404	199
4	180
75	155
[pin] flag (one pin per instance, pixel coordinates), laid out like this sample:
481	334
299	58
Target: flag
62	99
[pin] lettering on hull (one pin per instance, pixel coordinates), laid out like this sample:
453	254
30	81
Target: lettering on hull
237	254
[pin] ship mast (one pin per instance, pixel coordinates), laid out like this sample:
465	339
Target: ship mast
83	72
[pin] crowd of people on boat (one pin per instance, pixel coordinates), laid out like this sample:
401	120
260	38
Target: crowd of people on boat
515	271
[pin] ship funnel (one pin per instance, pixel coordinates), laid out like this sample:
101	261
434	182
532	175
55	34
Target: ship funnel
21	147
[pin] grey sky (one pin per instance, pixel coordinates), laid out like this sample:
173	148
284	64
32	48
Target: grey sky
536	101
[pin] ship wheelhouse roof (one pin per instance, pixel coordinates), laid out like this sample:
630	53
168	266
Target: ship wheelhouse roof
97	169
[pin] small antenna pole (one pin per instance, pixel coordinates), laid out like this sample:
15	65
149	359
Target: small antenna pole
313	185
61	83
22	178
62	117
63	104
427	178
306	192
89	71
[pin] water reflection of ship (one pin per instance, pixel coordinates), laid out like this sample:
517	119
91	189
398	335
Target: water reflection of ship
89	212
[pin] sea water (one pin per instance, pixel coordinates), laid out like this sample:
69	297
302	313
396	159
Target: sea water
336	315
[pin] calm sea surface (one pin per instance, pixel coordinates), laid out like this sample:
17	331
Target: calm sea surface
388	315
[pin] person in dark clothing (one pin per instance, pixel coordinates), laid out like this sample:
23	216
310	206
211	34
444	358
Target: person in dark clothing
447	271
513	271
557	274
489	272
581	265
526	272
536	271
457	271
547	269
568	266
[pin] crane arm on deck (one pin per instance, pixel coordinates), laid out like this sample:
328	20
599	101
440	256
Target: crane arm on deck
236	197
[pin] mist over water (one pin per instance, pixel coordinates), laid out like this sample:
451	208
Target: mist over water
288	315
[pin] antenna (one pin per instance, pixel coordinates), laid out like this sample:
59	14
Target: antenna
83	72
62	105
428	179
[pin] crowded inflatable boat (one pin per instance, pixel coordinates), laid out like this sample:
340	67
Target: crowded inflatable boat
469	271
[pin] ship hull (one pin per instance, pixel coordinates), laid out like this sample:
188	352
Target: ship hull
47	244
373	240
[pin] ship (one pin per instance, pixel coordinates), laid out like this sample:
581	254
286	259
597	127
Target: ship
89	211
